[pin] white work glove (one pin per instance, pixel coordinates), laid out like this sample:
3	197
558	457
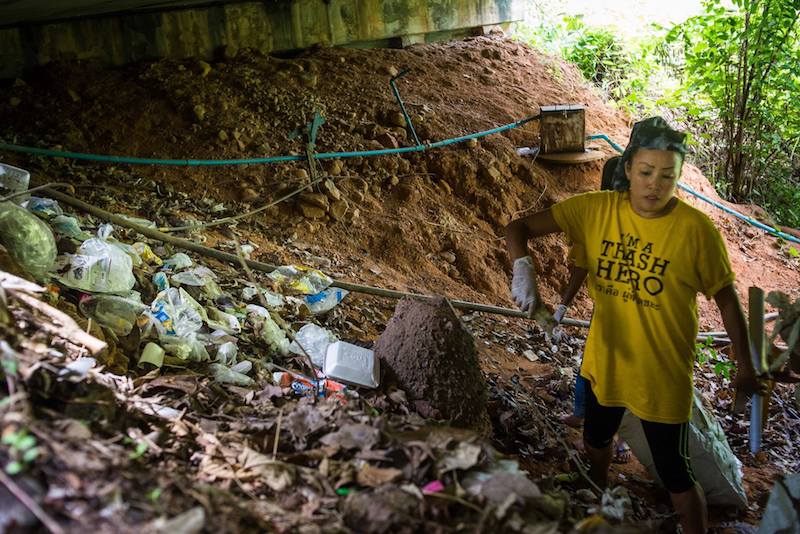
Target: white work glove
523	285
558	315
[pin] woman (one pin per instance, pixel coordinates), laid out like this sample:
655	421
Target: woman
648	254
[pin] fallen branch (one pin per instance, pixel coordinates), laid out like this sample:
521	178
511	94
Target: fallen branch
62	324
30	504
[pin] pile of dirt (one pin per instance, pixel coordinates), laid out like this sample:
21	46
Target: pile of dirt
434	360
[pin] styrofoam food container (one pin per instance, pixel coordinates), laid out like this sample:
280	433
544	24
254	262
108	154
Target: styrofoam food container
352	364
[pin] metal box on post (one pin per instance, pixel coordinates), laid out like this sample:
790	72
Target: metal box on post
562	128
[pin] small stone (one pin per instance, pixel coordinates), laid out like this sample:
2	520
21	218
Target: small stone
491	174
222	135
331	190
396	119
311	212
339	209
448	256
394	180
248	194
387	140
300	174
360	184
199	112
315	199
531	355
335	167
408	193
308	79
472	143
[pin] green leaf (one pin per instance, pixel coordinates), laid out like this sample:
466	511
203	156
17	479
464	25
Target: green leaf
13	468
141	448
30	455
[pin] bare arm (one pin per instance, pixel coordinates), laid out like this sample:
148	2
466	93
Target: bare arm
576	277
519	231
735	324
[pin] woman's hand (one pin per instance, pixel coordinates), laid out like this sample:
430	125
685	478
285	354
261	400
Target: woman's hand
523	285
748	383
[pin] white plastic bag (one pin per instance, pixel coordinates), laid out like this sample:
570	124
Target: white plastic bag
715	467
100	266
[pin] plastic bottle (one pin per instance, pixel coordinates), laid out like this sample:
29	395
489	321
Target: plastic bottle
28	240
13	179
118	314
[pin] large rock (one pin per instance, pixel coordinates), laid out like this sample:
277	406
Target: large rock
433	358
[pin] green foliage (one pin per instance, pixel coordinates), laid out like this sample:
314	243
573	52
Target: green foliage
706	354
22	450
741	74
631	73
730	76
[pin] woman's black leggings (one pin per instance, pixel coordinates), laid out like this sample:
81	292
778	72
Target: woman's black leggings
669	443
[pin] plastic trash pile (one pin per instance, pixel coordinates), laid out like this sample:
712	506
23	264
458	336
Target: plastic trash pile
175	307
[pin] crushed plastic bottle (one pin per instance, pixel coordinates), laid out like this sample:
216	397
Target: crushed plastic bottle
274	300
28	240
199	276
219	320
226	353
100	266
68	226
177	262
118	314
160	281
13	180
226	375
139	221
325	300
315	340
268	329
46	208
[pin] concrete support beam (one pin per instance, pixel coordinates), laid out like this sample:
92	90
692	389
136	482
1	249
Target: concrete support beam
266	26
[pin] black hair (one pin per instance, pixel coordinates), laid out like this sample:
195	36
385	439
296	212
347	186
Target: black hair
654	133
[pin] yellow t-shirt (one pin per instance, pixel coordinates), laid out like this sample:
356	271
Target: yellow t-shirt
576	256
644	276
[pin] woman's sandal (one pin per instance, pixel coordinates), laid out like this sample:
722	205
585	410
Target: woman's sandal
622	452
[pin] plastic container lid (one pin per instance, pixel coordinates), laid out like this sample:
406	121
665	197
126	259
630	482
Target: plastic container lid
352	364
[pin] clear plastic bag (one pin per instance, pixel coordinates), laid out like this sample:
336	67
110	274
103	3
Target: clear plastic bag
100	266
315	340
28	240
